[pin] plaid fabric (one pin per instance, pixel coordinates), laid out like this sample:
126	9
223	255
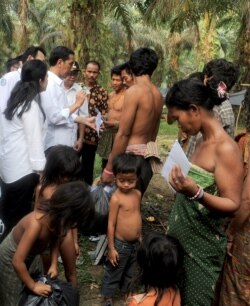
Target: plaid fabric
235	289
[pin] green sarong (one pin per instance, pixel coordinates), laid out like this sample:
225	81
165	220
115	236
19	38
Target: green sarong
201	232
106	141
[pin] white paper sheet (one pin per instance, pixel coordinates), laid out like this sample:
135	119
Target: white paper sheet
98	122
176	157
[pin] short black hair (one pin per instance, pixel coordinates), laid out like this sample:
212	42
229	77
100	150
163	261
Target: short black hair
33	50
126	67
127	163
11	62
143	61
94	62
60	52
116	70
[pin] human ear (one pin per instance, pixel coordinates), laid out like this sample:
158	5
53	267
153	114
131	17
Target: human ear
194	109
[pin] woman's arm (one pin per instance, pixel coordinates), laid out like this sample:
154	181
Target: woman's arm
29	237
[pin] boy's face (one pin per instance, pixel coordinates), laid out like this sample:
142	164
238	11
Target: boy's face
126	181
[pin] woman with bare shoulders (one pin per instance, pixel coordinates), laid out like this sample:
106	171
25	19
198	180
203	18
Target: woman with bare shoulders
70	205
208	195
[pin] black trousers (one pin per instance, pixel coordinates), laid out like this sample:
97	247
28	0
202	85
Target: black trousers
88	160
16	200
145	176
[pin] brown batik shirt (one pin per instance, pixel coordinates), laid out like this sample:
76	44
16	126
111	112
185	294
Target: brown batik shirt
98	101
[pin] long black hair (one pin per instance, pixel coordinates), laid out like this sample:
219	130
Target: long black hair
62	165
160	260
27	89
70	205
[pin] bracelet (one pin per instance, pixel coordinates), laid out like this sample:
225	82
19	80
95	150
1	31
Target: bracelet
108	172
199	194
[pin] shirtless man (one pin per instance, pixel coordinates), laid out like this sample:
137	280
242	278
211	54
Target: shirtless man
140	116
111	121
124	227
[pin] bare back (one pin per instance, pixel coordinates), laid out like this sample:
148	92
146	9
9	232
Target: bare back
142	110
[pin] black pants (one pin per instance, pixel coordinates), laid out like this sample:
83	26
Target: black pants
88	160
145	176
16	201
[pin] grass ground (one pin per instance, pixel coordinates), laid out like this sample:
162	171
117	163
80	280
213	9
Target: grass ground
156	202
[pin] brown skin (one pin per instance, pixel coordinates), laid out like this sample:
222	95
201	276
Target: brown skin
124	214
140	118
243	214
128	79
216	153
91	74
115	103
32	234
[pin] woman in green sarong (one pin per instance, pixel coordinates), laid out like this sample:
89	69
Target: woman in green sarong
209	194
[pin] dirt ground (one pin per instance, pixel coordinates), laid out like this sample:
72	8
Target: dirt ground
156	203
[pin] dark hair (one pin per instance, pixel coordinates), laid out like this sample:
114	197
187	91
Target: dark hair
197	75
27	89
33	50
62	165
59	52
116	70
70	205
10	63
143	61
126	67
94	63
192	91
221	70
160	258
127	163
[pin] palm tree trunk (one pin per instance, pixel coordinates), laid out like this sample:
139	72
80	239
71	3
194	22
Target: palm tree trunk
24	20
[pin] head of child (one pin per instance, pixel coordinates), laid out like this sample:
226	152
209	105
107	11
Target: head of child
62	165
160	259
126	169
70	206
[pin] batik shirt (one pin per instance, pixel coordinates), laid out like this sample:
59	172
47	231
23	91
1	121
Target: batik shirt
98	101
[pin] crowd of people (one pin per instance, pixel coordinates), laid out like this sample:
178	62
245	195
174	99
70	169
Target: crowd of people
48	144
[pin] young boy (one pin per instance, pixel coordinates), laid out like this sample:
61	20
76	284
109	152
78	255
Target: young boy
124	227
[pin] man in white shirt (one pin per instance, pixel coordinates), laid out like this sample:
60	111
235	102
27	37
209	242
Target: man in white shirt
60	114
9	80
72	88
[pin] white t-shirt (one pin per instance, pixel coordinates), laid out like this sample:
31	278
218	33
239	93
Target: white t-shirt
61	125
21	142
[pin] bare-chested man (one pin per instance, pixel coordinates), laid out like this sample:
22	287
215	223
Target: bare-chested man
140	116
111	122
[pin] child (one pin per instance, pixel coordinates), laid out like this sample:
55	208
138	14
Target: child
62	165
69	206
160	258
124	227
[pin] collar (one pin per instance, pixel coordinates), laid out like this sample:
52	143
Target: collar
55	78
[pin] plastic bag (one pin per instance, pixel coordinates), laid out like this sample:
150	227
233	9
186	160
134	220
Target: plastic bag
63	294
101	199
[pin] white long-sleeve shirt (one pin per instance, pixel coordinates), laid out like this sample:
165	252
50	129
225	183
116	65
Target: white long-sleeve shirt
21	143
7	83
61	125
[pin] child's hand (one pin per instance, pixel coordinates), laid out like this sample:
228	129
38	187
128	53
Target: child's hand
42	289
53	271
113	257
